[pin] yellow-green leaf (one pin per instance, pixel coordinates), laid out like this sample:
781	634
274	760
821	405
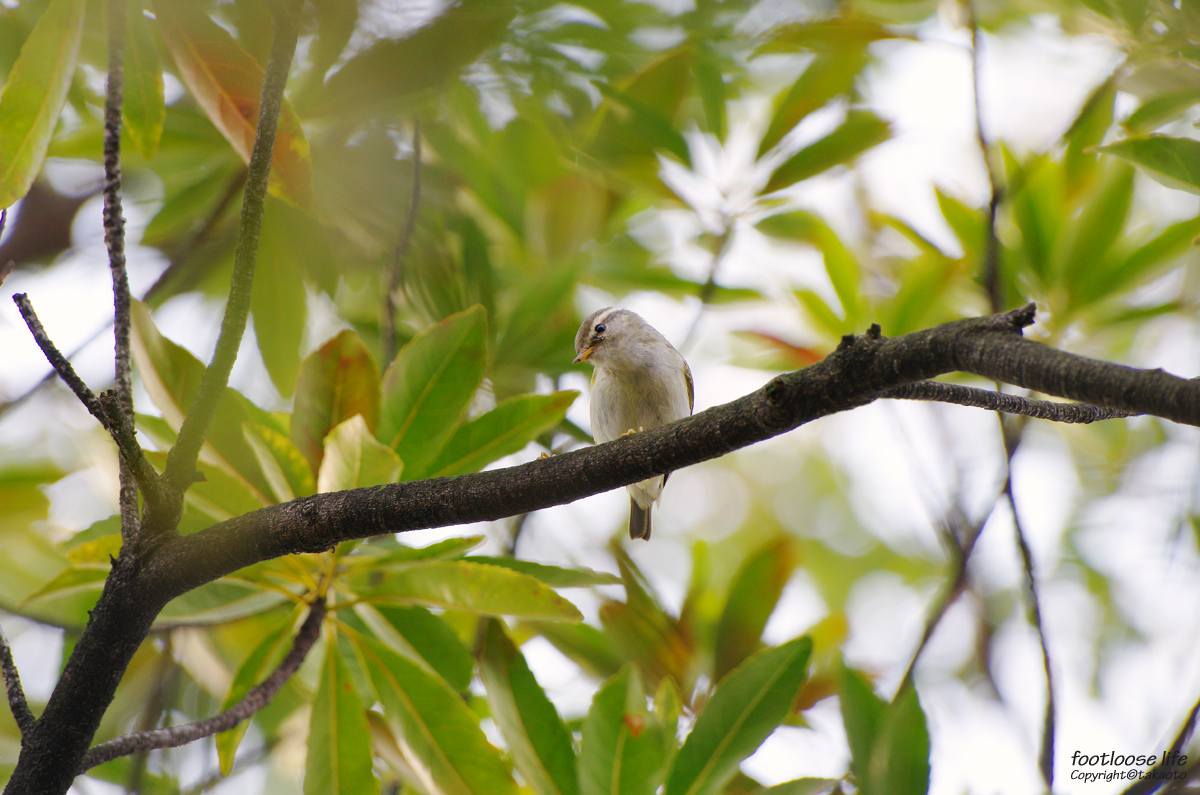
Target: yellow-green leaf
34	95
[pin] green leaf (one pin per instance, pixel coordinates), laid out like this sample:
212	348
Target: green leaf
1088	130
441	738
859	132
830	74
900	756
277	298
429	386
638	117
392	69
337	381
451	548
282	464
172	376
1088	236
968	224
263	659
1160	110
34	95
752	597
647	124
710	85
862	713
537	739
745	708
554	576
86	578
583	644
474	588
1175	162
1143	263
143	106
623	750
226	81
339	748
353	459
504	430
227	599
834	32
434	640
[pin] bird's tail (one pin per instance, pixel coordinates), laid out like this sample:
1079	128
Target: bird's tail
639	520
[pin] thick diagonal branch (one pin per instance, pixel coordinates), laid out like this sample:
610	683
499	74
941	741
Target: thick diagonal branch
856	374
258	697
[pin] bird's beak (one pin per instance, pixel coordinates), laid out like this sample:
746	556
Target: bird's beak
583	357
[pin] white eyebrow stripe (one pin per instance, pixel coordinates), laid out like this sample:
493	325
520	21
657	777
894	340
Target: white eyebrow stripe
612	310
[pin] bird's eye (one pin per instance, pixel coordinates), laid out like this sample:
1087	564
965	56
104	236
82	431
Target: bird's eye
601	328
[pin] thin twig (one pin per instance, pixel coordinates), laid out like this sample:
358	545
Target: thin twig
992	282
1046	756
939	391
244	762
1171	758
114	240
181	461
709	288
12	684
961	546
402	246
113	421
258	697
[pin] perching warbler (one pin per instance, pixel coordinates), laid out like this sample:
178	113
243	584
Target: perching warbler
640	382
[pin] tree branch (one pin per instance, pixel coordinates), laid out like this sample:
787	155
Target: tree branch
854	375
1149	783
112	419
999	401
12	684
258	697
402	247
114	240
992	283
181	461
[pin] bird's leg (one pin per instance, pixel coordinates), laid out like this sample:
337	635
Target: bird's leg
631	431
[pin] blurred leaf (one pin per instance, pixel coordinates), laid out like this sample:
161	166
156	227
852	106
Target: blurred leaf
227	599
142	106
862	714
1088	236
474	588
504	430
1037	197
86	578
1159	110
586	646
429	386
353	459
1175	162
536	737
34	95
554	576
752	598
833	33
226	81
263	659
393	69
968	224
859	132
451	548
801	786
440	736
832	73
337	381
622	751
1140	265
637	118
744	709
339	751
172	376
710	85
282	464
900	755
1088	129
278	299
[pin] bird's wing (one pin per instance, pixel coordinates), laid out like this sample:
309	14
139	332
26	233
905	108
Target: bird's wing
687	376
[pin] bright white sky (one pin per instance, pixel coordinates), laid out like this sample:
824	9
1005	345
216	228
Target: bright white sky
1033	86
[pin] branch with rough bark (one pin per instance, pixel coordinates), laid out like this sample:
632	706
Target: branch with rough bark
12	685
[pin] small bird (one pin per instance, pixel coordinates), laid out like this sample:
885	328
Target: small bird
640	382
